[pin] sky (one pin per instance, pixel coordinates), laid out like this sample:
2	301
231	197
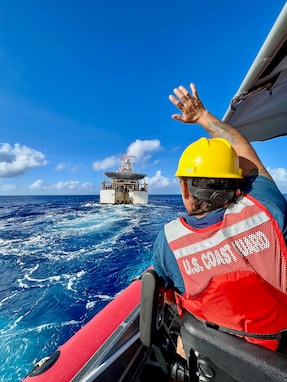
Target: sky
84	81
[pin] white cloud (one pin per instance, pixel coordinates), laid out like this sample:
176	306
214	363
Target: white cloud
39	185
66	166
8	187
280	177
160	182
141	150
72	187
61	166
18	159
278	174
74	169
106	163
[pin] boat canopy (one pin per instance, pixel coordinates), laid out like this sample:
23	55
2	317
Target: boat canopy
259	108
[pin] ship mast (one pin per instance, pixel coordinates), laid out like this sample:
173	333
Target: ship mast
126	163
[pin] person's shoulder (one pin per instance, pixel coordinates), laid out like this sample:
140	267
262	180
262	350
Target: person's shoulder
161	237
262	186
160	234
267	193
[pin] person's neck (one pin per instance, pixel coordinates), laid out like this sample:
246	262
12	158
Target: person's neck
199	215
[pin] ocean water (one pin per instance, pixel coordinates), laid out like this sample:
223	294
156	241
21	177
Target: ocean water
63	258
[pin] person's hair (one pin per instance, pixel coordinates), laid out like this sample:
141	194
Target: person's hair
230	187
217	183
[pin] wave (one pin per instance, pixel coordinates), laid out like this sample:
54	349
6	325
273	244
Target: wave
63	259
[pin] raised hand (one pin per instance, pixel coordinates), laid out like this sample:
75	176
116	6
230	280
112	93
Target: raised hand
189	104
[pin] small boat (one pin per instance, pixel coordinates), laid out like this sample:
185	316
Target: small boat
133	339
126	186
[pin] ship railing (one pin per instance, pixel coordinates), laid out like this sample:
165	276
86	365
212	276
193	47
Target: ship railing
126	187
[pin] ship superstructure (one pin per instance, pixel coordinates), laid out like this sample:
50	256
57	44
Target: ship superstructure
126	186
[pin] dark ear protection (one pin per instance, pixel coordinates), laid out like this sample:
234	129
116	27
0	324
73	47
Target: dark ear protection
217	197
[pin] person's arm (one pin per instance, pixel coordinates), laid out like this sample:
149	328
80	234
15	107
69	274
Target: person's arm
165	264
193	111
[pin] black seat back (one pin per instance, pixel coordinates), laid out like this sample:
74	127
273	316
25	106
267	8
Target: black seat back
152	307
159	327
227	358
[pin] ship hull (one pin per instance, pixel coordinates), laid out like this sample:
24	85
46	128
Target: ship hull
118	197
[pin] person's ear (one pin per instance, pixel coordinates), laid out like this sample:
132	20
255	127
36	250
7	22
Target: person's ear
184	189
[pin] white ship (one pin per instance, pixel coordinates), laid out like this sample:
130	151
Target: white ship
126	186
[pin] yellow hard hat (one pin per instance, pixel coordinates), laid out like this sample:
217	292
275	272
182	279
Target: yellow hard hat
209	158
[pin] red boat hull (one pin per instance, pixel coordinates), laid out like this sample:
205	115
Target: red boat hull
78	350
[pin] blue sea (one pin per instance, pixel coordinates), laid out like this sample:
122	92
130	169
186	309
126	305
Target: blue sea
63	258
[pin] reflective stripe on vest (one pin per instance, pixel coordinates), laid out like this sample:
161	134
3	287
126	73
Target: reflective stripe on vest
248	239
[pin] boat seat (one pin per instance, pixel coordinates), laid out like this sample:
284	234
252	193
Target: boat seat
152	307
160	327
227	358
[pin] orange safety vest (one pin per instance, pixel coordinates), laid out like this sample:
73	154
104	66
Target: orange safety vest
235	271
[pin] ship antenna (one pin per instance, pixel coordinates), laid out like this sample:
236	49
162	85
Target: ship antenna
126	163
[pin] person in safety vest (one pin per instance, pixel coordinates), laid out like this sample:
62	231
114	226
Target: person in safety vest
226	261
